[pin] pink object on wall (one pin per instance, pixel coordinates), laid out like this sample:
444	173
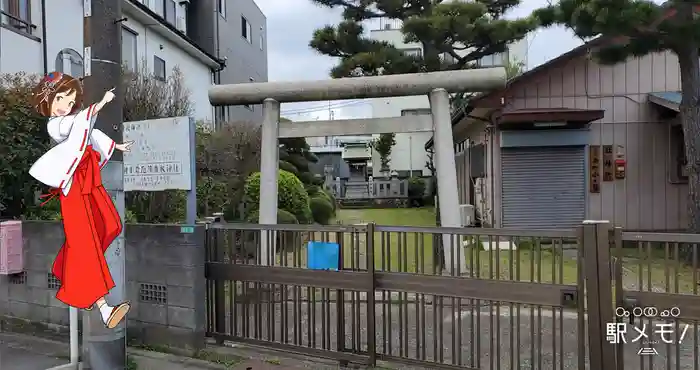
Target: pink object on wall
11	248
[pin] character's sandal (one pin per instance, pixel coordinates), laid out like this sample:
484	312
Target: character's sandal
117	315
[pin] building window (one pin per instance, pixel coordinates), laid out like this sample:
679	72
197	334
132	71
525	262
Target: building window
158	6
678	161
246	30
415	112
414	52
169	11
493	60
158	68
129	56
17	14
221	7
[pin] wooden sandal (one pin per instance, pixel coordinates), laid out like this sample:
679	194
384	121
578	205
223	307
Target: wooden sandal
117	315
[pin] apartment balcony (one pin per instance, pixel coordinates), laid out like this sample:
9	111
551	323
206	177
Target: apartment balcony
385	24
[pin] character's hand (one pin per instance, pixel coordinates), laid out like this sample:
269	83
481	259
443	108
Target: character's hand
125	147
109	96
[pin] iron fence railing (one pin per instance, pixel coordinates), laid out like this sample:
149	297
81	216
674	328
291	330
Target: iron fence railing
503	299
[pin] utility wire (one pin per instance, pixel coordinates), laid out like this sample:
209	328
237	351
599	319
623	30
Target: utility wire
321	109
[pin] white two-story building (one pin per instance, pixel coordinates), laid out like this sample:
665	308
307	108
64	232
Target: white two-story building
40	36
408	157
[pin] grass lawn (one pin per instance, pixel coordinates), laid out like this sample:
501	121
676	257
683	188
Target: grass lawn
535	259
413	252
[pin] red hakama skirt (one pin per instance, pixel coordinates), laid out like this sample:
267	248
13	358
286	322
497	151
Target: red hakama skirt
91	223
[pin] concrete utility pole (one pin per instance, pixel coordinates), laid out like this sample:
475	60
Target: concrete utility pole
105	349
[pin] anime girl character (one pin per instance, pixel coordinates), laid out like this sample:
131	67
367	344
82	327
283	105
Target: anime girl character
72	169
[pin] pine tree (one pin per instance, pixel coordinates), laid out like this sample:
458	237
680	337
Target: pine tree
453	35
636	28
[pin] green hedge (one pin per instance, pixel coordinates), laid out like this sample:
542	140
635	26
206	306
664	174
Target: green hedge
322	210
291	195
286	166
283	217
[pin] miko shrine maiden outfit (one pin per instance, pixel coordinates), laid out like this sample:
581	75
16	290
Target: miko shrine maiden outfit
90	220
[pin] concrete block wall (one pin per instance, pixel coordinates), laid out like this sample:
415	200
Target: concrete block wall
165	284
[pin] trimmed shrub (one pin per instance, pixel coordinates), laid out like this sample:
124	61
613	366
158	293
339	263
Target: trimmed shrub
318	180
292	196
286	166
322	210
283	217
331	199
313	190
306	178
24	140
416	191
285	239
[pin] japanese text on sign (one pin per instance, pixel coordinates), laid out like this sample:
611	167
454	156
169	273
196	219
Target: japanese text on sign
594	170
160	156
608	170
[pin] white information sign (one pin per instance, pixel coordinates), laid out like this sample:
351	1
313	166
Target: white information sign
160	157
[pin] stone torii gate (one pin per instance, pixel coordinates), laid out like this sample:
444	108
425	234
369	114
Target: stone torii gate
436	85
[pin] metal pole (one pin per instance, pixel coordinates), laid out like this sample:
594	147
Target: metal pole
269	165
191	218
105	349
447	176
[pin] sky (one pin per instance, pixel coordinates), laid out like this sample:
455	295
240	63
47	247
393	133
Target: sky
290	25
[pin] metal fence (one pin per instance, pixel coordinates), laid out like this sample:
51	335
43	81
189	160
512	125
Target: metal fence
515	299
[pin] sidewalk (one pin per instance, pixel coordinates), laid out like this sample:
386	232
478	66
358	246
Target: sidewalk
22	352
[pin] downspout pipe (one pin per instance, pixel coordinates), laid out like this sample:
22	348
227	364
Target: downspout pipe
44	43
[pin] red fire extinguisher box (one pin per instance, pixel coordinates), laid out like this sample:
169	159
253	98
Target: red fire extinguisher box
11	248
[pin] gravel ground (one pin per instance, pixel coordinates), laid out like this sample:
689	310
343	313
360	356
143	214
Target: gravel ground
487	337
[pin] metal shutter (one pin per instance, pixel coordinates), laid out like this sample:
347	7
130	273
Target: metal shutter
543	187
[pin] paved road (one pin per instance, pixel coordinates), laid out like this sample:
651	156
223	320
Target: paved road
15	356
490	338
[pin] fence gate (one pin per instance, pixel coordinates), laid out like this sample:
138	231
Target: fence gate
656	293
518	304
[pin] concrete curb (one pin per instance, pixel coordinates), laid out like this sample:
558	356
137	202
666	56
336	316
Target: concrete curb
52	348
166	357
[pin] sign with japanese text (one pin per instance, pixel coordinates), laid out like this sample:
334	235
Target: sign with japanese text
608	165
594	168
160	157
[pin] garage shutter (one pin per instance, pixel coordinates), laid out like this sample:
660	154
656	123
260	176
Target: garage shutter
543	187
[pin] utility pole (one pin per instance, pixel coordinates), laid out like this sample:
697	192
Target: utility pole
105	349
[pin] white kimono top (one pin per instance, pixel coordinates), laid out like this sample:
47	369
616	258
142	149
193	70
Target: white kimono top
72	134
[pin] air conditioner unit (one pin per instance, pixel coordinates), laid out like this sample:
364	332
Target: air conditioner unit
466	212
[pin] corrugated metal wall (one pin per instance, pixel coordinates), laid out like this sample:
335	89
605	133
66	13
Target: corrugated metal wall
543	187
645	199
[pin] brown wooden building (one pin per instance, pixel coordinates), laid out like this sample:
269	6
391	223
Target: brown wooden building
548	150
